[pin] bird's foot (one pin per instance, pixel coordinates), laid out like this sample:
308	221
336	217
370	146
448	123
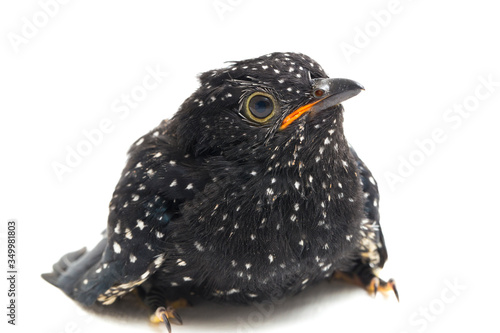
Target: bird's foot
367	279
167	315
163	311
385	288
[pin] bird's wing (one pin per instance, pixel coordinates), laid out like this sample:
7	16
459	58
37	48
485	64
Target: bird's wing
154	183
373	249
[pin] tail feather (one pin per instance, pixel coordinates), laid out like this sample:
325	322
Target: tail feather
60	267
68	272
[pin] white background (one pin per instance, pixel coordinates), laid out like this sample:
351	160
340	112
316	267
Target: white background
440	218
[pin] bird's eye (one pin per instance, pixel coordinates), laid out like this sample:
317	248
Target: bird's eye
318	93
260	107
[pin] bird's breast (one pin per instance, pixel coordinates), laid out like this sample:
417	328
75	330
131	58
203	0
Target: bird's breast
260	230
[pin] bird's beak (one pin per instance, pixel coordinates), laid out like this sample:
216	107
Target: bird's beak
328	93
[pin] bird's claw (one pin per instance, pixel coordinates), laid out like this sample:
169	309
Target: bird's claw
166	315
369	281
173	314
377	285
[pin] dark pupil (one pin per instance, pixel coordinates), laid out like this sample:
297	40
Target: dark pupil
261	106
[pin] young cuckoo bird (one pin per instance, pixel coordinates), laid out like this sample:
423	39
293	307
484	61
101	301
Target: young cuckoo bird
250	192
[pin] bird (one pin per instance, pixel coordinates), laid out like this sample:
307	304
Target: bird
250	192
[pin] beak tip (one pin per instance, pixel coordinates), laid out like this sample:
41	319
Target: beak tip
360	86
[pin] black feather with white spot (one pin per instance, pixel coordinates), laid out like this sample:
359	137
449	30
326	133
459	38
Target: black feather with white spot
216	204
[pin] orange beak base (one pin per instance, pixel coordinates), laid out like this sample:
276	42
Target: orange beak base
335	92
296	114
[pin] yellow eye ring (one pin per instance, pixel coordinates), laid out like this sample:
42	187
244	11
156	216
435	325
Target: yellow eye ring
260	107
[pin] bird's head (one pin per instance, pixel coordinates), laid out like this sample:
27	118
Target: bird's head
254	106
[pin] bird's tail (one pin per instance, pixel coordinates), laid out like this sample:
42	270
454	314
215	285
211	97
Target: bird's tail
68	271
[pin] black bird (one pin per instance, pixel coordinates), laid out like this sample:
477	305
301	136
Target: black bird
250	192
